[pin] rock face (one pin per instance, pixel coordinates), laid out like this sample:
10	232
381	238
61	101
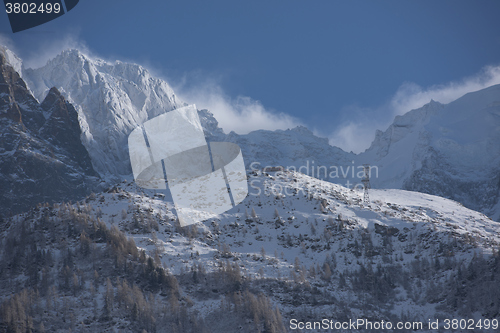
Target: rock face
41	156
63	130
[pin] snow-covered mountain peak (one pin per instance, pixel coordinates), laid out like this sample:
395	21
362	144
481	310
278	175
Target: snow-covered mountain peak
402	126
112	99
420	115
450	150
302	130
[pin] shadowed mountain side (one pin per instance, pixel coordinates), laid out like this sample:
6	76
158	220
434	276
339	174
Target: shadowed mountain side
41	155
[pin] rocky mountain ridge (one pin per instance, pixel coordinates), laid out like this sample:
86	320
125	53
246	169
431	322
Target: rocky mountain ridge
41	155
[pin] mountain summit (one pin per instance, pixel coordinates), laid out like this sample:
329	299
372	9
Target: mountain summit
450	150
111	100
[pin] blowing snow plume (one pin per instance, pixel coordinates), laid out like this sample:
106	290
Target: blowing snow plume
241	114
357	134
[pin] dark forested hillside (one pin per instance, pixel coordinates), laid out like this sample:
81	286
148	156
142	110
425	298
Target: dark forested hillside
63	269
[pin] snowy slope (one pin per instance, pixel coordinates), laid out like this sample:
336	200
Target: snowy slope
313	248
297	199
393	150
290	238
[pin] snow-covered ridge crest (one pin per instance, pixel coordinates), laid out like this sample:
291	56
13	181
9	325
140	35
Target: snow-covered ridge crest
111	99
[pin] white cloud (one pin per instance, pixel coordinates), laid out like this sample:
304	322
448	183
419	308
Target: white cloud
411	96
353	136
358	132
241	114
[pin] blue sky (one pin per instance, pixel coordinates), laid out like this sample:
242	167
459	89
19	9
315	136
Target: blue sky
342	68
